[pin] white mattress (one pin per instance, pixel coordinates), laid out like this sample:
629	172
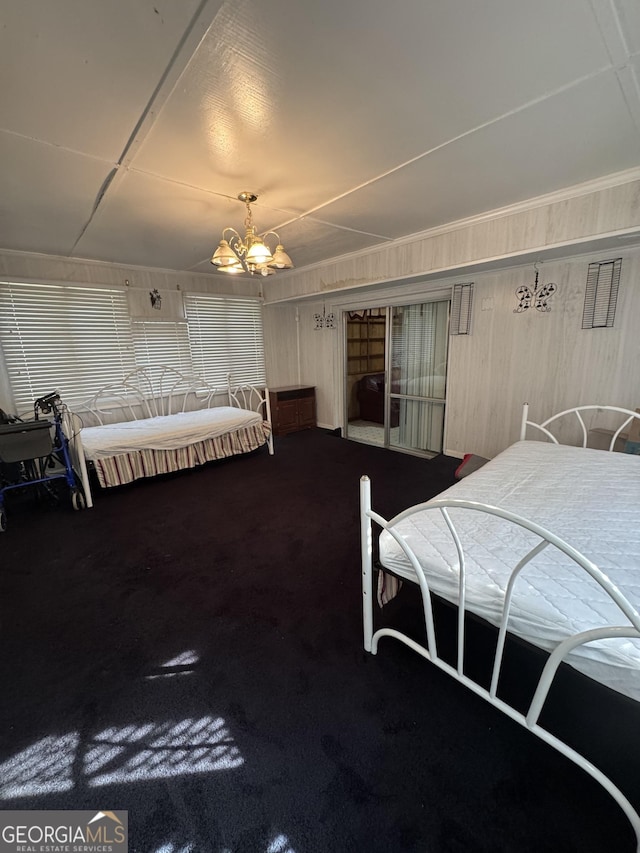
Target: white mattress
167	432
589	498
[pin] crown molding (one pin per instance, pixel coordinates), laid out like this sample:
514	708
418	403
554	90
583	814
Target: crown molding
557	196
574	251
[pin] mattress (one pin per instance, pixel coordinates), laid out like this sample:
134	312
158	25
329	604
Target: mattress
589	498
166	432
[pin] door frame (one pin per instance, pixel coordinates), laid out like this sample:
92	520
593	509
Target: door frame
388	301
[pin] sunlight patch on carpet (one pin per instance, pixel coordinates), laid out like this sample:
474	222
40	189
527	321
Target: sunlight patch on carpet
157	751
133	753
180	665
45	767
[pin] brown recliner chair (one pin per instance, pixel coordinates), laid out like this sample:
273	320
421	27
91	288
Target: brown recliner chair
371	399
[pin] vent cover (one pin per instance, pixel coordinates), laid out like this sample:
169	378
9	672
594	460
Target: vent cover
601	296
461	306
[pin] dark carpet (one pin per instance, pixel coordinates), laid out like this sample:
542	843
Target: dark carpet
191	650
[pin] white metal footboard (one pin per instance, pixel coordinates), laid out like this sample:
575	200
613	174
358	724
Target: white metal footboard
255	400
545	539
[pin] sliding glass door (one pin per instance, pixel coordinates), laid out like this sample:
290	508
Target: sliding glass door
418	376
396	367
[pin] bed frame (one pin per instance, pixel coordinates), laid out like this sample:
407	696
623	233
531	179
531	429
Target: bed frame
579	412
629	618
152	392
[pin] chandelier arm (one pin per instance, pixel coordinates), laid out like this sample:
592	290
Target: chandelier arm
231	231
237	245
275	234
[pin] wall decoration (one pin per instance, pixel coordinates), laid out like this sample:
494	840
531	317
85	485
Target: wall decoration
324	321
361	313
601	294
461	308
539	296
161	306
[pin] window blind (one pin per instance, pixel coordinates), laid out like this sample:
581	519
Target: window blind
226	337
62	337
165	343
75	339
419	349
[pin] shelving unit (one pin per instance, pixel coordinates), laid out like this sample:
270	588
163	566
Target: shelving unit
365	345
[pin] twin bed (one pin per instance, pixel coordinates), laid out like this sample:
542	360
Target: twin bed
486	546
160	421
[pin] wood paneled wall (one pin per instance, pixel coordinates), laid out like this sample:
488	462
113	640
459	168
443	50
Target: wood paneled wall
545	359
297	353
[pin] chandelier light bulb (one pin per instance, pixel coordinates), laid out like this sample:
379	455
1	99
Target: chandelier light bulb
224	255
281	261
259	253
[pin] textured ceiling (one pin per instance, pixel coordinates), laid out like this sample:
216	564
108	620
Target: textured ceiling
127	129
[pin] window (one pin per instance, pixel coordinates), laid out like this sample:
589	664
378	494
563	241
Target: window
226	337
63	338
76	339
161	343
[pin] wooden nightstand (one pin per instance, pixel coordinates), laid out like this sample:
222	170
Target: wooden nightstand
293	408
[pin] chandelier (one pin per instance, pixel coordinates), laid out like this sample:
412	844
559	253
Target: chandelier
251	254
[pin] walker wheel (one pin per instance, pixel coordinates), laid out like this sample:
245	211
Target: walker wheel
78	500
3	521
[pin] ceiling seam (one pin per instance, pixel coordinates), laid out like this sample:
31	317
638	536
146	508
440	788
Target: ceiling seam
630	88
567	87
155	101
309	213
57	145
190	186
347	228
145	121
611	31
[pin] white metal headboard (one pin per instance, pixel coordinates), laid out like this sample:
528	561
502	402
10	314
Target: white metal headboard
150	392
578	412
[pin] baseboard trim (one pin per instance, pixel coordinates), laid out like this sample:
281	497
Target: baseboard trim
455	453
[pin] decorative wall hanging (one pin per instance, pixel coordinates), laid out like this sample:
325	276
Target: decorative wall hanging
601	294
324	321
539	297
361	313
159	306
461	307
